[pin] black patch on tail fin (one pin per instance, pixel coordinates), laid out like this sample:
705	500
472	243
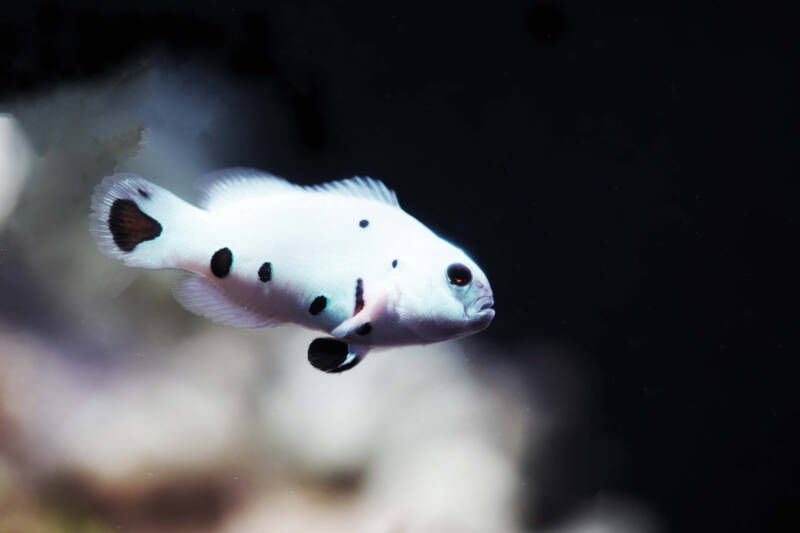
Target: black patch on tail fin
129	226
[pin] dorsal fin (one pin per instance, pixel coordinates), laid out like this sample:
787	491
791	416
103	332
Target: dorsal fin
361	188
232	184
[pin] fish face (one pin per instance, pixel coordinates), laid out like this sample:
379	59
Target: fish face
470	288
453	300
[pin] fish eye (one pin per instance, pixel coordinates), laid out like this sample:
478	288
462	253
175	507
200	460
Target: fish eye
459	274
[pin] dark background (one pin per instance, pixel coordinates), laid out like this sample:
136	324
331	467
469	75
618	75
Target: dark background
626	174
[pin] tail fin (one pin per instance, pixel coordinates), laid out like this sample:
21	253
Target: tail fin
134	220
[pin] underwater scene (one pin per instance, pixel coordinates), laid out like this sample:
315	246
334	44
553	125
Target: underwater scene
297	267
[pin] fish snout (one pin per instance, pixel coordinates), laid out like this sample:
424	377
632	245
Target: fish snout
480	306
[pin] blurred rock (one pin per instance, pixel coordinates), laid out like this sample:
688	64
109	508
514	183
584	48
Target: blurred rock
15	163
243	416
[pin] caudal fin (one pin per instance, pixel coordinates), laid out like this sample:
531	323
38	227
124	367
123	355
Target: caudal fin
135	221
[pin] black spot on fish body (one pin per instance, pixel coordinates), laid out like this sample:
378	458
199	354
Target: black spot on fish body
265	272
318	305
143	193
394	263
221	262
129	226
364	223
364	329
359	296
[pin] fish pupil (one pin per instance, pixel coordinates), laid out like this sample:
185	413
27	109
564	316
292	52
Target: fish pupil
459	274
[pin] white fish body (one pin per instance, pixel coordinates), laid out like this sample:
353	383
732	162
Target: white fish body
342	257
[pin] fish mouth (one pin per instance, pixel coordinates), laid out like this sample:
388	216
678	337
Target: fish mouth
481	306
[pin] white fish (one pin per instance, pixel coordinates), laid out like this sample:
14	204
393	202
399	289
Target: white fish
341	257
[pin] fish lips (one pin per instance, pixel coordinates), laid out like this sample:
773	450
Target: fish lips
481	309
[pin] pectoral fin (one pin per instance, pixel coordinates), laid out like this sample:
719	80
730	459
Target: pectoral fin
357	325
367	310
334	355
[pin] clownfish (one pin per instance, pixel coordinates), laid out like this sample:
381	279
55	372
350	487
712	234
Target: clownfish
342	257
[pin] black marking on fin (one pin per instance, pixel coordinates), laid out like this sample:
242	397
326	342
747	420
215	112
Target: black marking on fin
359	296
265	272
394	263
364	223
129	226
143	193
364	329
221	262
318	305
328	355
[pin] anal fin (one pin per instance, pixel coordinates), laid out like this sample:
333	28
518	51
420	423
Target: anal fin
199	296
334	356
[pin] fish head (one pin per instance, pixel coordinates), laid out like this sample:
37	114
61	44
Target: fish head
446	295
